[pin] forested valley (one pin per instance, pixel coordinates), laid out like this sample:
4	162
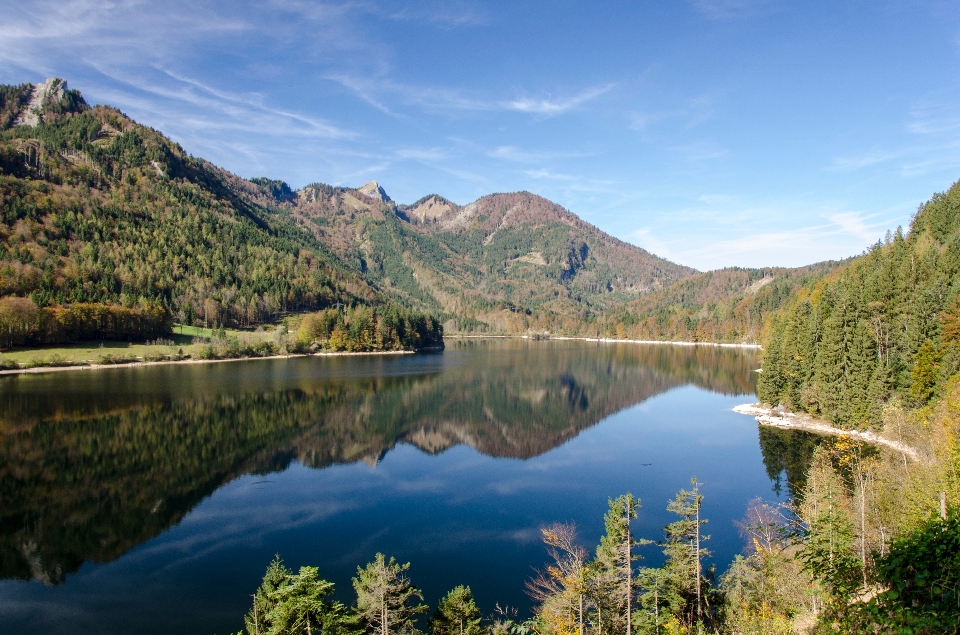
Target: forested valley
111	231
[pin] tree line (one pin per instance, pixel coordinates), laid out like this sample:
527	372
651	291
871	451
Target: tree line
885	328
365	328
23	323
801	573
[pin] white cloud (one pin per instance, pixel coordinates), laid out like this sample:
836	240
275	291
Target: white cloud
518	155
550	106
422	154
553	176
842	234
645	238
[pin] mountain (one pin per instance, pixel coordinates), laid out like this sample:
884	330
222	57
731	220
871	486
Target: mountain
97	208
506	262
727	305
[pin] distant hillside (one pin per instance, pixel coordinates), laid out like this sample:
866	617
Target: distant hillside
97	208
504	263
727	305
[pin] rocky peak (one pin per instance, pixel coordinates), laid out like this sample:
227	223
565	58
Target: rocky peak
49	91
374	191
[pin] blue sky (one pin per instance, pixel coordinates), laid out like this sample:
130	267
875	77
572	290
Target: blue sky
711	132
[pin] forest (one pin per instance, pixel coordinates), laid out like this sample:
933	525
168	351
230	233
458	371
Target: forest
799	573
97	210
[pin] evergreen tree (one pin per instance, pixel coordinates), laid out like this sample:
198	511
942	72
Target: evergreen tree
612	570
456	614
386	597
290	604
683	548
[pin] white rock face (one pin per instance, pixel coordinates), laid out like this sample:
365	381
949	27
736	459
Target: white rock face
52	88
373	190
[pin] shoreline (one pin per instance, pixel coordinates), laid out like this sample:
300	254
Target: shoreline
607	340
800	421
138	364
55	369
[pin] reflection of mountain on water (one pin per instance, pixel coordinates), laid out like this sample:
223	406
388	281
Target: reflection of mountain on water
90	470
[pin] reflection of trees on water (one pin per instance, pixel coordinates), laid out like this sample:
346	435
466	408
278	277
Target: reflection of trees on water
787	455
89	471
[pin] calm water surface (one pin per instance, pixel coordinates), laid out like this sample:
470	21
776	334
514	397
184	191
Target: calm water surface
150	500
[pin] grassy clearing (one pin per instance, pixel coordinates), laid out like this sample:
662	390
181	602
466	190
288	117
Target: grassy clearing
185	342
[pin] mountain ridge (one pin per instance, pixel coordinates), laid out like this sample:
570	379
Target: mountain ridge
100	208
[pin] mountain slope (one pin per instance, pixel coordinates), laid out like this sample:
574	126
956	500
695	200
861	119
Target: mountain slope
97	208
884	328
727	305
506	262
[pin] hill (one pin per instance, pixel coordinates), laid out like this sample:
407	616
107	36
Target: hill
100	209
97	208
727	305
506	262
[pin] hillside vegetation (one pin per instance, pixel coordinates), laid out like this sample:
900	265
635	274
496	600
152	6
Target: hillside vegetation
100	211
875	345
727	305
506	263
884	328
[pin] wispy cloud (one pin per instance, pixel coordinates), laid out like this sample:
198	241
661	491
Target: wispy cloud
934	117
444	14
519	155
691	113
551	106
793	246
553	176
386	94
932	143
422	154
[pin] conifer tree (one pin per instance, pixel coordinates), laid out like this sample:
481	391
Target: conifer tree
287	603
456	614
683	546
613	565
386	597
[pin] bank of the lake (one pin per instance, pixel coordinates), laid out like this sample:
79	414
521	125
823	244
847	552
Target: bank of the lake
769	416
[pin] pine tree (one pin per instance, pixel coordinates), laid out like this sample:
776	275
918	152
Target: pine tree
456	614
288	604
683	546
612	569
385	597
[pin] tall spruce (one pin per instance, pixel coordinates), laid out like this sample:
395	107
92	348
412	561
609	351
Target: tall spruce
683	546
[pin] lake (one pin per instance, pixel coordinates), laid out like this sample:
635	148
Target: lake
151	499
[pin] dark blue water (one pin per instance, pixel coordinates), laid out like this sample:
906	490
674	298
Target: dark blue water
150	500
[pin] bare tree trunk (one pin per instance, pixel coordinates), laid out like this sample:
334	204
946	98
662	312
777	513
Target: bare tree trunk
698	559
581	615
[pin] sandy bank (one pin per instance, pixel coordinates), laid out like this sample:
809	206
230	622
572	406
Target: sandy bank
800	421
600	339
